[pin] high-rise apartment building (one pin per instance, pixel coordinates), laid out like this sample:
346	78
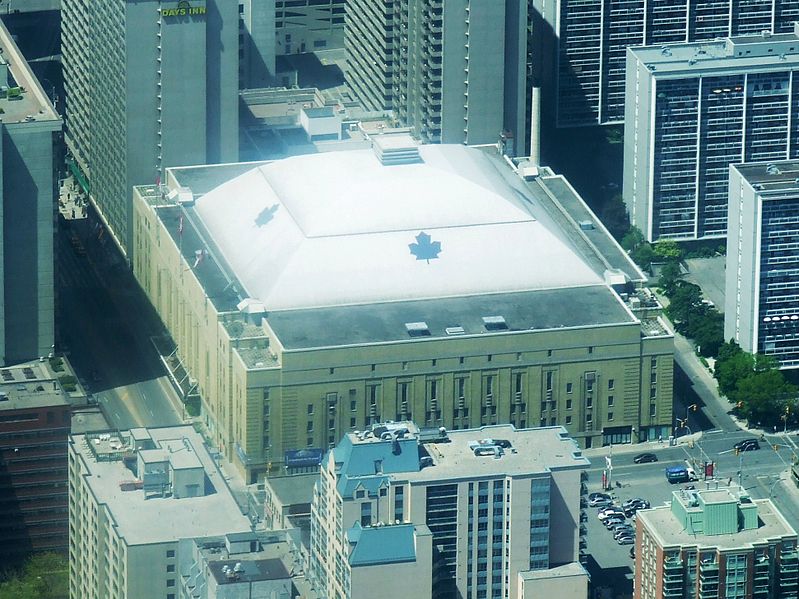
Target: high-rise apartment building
761	311
451	513
149	84
587	40
308	25
715	543
694	109
455	72
132	497
308	306
34	426
256	43
28	155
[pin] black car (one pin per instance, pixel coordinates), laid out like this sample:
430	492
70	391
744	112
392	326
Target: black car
645	458
747	445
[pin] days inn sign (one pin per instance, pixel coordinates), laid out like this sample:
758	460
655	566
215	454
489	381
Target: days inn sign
183	9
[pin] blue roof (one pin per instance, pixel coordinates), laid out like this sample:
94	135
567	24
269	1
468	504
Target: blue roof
358	462
382	545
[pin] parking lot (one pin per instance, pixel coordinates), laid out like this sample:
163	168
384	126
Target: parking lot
762	472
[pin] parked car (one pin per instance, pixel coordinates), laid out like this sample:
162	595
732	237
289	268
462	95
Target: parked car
598	495
634	501
617	513
600	502
613	521
645	458
624	533
626	540
632	552
747	445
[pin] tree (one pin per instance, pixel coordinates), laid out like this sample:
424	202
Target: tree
632	239
668	250
686	299
763	396
731	368
44	576
614	216
707	330
670	274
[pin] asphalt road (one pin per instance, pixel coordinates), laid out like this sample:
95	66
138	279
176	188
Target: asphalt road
764	473
105	324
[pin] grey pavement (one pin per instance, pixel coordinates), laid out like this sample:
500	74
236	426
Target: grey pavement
709	274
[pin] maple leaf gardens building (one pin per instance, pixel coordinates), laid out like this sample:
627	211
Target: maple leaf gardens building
319	294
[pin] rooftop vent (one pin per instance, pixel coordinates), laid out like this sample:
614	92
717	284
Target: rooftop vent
457	330
772	169
417	329
587	225
495	323
396	149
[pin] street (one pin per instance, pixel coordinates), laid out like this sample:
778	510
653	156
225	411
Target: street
764	473
105	325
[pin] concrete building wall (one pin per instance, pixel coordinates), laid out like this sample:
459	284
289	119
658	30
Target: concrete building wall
743	250
28	187
177	74
308	25
258	48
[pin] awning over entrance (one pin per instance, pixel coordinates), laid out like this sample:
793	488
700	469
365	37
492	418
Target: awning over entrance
79	176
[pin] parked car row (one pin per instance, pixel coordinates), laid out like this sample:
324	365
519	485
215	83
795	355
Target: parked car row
615	517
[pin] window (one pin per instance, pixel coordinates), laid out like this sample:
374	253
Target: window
549	353
569	387
653	392
460	360
610	401
433	389
549	380
332	370
611	384
568	419
170	567
568	404
652	409
589	402
517	383
352	422
610	416
543	422
309	442
170	582
433	362
461	387
170	553
310	408
266	393
366	513
309	426
360	494
553	421
589	418
170	596
405	366
489	386
403	392
489	357
590	349
353	406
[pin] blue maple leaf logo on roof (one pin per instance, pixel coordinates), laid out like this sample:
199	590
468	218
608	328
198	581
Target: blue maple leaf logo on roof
424	249
266	215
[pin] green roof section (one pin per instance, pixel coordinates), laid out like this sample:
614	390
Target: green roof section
375	545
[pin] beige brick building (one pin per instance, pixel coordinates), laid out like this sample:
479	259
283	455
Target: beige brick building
319	294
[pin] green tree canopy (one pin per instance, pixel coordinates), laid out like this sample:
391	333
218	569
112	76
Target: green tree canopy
668	250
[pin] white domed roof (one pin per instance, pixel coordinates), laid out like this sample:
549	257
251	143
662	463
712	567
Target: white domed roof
341	228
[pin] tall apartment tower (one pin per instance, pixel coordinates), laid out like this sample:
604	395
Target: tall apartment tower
761	311
133	497
29	127
434	508
715	543
455	72
586	41
149	84
694	109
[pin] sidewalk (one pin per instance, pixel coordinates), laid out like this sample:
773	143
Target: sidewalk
644	447
72	200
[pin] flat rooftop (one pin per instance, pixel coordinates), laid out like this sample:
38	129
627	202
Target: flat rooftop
293	490
254	570
532	451
24	100
143	521
23	396
544	309
780	177
668	530
750	53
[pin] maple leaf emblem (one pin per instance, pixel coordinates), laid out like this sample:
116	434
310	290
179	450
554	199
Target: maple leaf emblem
424	249
266	215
